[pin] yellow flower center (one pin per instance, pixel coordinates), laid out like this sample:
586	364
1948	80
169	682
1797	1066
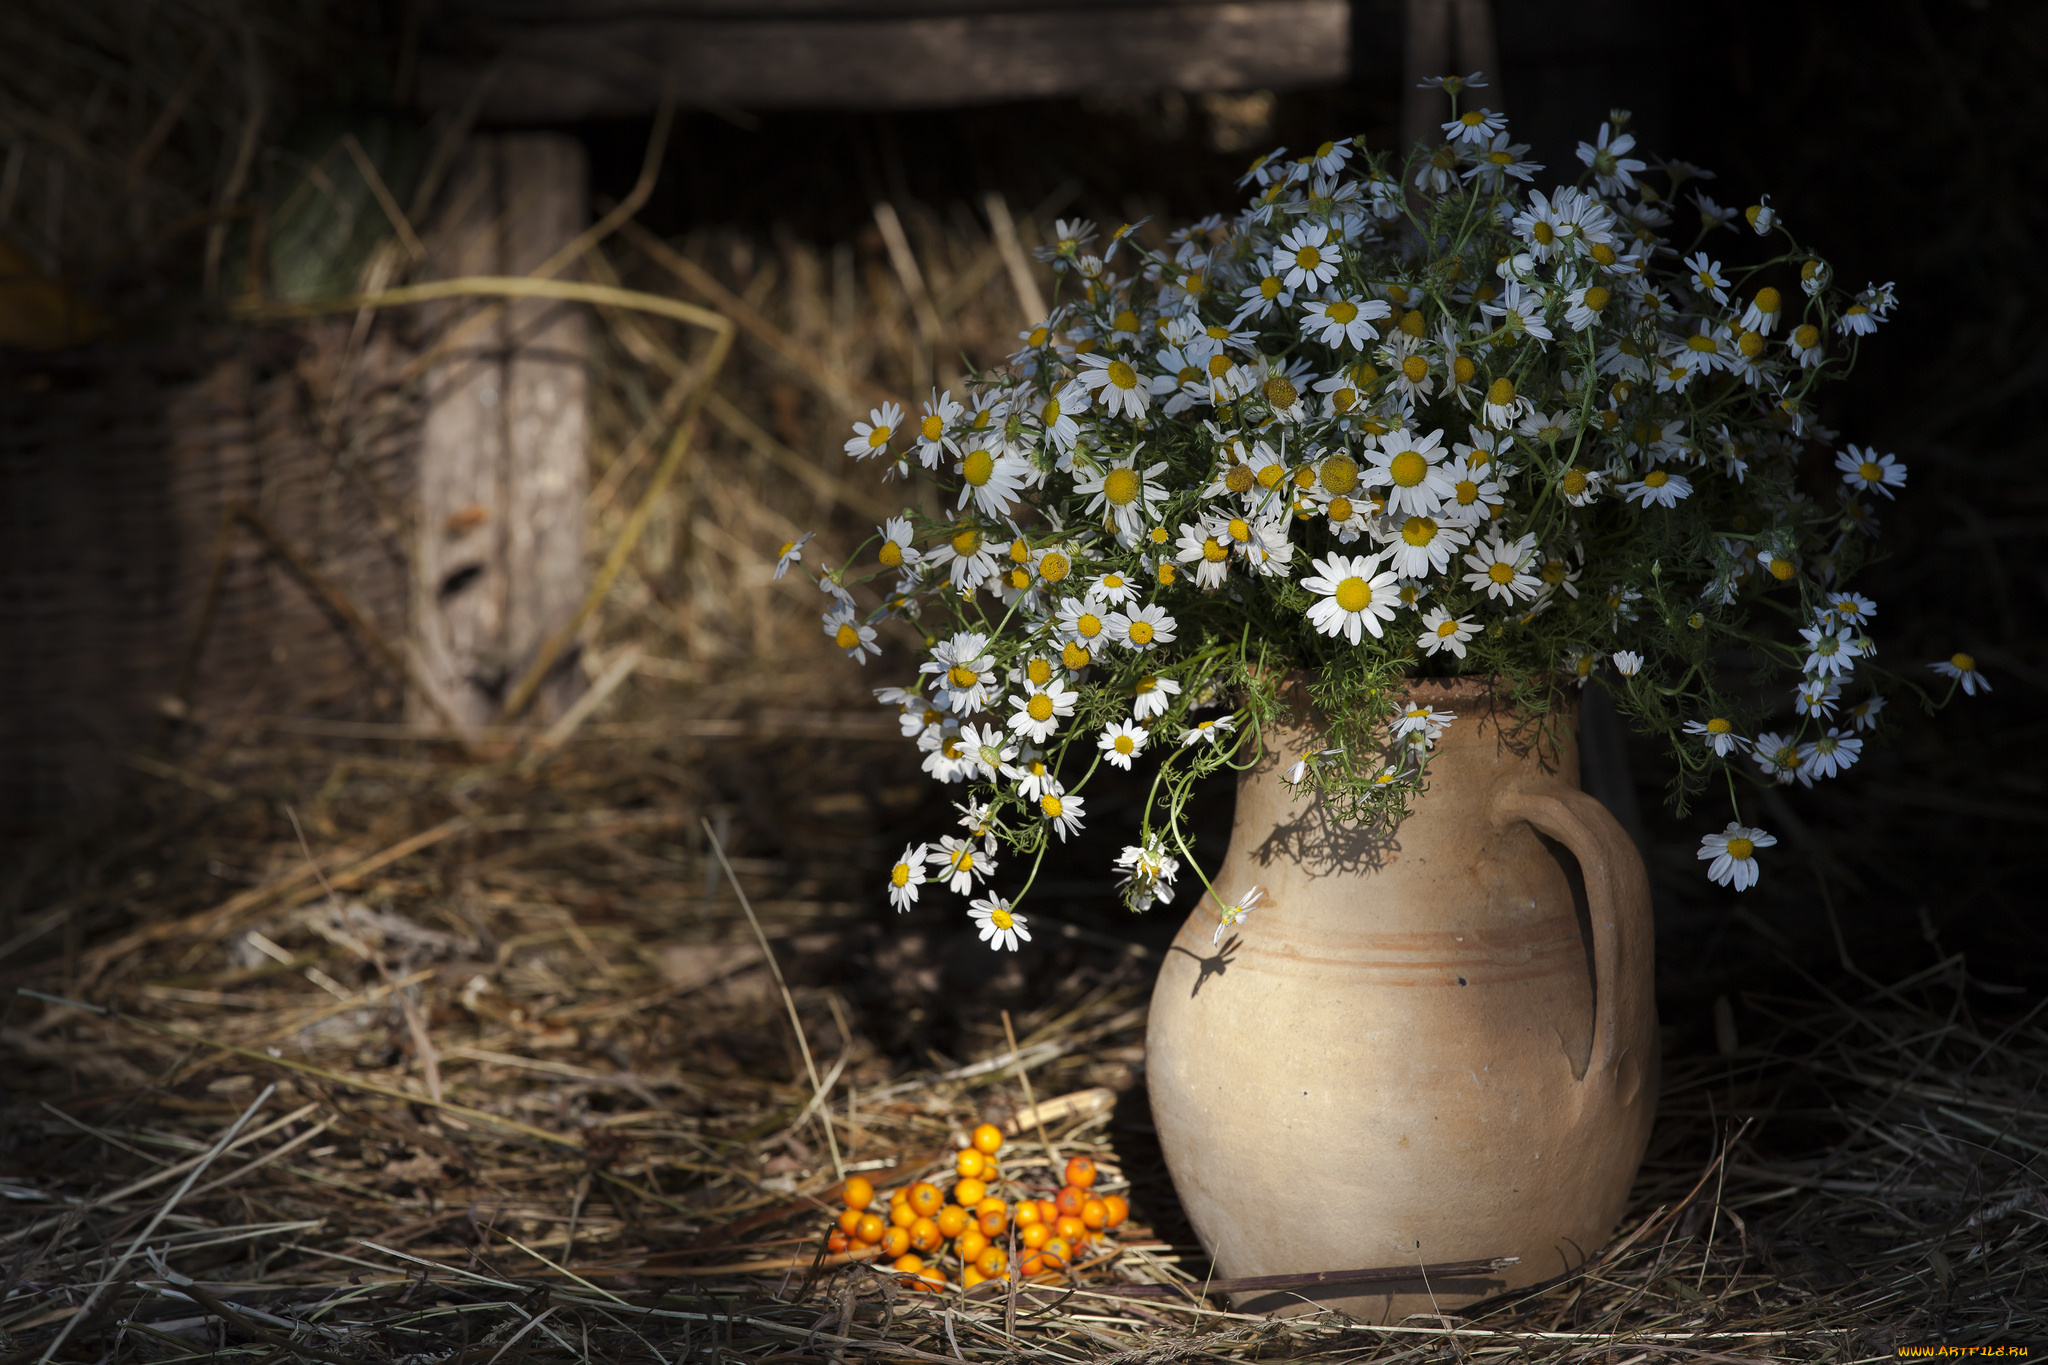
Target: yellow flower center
1270	475
978	467
1051	805
1543	234
1704	345
1121	487
1596	298
1741	849
1418	531
1574	482
1408	469
1500	571
1239	478
1054	567
1122	375
1340	473
1553	571
1768	300
967	543
1870	472
1126	321
1416	368
1019	578
891	554
1039	336
1074	655
1412	323
1719	726
1341	312
933	427
1656	478
1269	288
1462	370
1308	258
1214	550
1782	569
1001	918
1602	254
1050	413
1340	510
1039	672
1806	336
1501	392
1141	632
846	637
962	677
1039	707
1280	391
1447	630
1468	492
1167	573
1089	625
1240	529
879	437
1124	744
1354	594
900	874
1966	662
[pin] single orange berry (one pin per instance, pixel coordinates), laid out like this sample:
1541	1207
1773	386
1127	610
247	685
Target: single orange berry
1035	1236
1117	1207
836	1243
992	1221
924	1235
988	1203
1026	1213
931	1279
970	1277
992	1262
1058	1252
1080	1172
926	1199
988	1139
970	1244
895	1241
899	1195
859	1192
902	1215
1034	1264
909	1265
869	1228
1047	1210
970	1192
1070	1229
1095	1213
970	1162
953	1220
849	1220
1068	1201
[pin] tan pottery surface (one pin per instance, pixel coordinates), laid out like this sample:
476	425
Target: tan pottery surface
1440	1045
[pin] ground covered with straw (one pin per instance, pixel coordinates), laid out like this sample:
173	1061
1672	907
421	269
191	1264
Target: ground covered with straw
484	1061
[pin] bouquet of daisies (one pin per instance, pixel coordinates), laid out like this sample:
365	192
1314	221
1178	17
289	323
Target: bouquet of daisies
1395	418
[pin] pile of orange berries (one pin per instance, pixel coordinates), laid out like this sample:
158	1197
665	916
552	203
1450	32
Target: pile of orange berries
923	1226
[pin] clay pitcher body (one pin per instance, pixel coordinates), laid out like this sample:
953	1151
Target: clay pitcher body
1436	1045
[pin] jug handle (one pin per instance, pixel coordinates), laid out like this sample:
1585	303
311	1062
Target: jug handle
1618	898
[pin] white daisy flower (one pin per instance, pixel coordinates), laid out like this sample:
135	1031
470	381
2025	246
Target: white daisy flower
1865	469
1864	713
907	876
1816	697
1000	926
1416	718
958	862
1830	653
1849	608
1124	495
1500	569
1064	811
933	440
1520	310
1029	772
1038	712
1153	696
1706	277
945	758
1262	300
1441	631
850	635
1142	628
1612	167
1205	545
872	437
1354	595
1420	546
1056	416
896	551
1120	743
965	671
1410	468
987	747
792	552
1778	756
1207	731
1081	620
1502	407
1305	258
1112	589
1627	662
1476	126
1149	871
992	481
1963	668
1658	488
968	558
1804	343
1831	755
1719	734
1116	385
1761	216
1733	852
1338	323
1236	914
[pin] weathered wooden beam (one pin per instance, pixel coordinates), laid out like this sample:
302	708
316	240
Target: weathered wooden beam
599	58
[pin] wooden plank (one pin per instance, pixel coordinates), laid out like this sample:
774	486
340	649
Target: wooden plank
596	60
